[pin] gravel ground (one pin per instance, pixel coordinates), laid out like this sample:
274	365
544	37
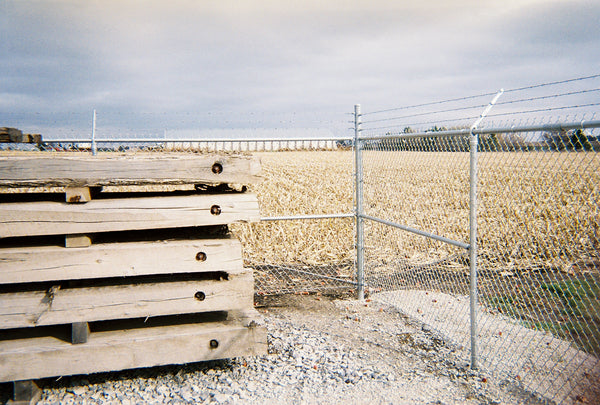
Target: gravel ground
320	351
549	366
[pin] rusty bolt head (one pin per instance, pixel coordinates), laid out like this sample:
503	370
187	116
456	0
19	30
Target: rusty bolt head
217	168
200	296
215	210
214	344
201	256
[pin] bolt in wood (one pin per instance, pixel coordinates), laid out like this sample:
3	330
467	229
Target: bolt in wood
214	344
201	256
215	210
217	168
200	296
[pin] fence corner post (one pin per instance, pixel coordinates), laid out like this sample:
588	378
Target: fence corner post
359	205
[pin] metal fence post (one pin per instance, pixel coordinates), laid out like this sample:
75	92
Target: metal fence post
359	205
473	148
94	149
474	141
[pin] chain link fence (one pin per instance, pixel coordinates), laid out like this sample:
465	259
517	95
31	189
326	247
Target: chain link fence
537	312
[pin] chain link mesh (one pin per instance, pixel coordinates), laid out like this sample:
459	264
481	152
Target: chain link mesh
538	240
303	256
539	266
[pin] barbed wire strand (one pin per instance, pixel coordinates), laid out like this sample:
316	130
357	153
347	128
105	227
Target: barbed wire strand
546	97
552	83
544	109
426	113
430	103
422	123
483	94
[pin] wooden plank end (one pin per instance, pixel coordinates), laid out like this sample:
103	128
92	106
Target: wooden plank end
25	393
80	332
78	241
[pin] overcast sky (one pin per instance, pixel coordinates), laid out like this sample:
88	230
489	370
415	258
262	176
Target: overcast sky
281	63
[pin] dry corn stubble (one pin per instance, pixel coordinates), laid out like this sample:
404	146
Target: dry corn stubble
302	183
535	208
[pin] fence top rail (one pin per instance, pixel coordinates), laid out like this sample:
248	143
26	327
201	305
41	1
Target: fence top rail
176	140
564	126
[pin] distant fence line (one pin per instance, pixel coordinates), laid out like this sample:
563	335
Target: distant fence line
233	145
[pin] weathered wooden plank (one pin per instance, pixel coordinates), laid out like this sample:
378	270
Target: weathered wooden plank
71	305
109	215
80	171
126	349
50	263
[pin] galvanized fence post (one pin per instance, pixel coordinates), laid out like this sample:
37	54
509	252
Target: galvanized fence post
94	149
359	204
473	148
474	141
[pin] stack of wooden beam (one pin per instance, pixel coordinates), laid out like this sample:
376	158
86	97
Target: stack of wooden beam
102	269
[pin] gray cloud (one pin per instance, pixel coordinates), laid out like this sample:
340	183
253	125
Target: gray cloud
257	61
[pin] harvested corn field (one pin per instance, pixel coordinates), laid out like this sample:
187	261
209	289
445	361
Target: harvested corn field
538	230
536	209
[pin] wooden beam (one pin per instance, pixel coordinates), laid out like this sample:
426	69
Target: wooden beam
109	215
72	305
84	171
50	263
43	357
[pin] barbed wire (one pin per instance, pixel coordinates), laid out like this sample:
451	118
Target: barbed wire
516	89
571	93
552	83
413	124
544	109
430	103
426	113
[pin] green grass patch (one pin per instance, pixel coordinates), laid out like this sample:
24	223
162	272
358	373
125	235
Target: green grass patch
568	309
